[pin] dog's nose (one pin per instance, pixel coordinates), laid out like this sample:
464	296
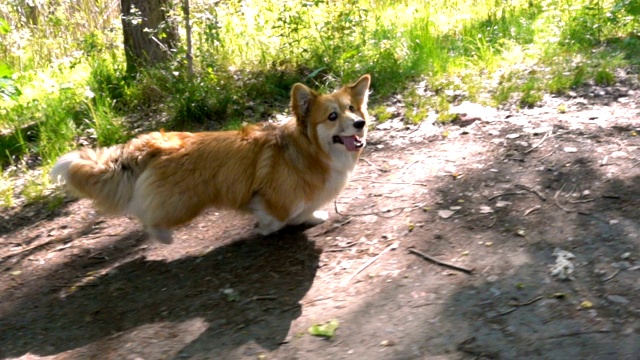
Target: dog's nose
359	124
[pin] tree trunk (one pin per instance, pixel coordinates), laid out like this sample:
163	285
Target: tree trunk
149	37
187	26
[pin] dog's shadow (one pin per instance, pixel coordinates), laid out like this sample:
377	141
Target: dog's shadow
246	291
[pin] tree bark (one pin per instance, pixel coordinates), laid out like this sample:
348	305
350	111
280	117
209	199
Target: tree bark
150	38
187	25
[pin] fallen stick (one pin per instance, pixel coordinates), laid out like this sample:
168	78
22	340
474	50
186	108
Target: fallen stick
397	183
438	262
513	303
516	305
529	189
366	265
507	193
535	208
538	144
555	198
375	166
609	278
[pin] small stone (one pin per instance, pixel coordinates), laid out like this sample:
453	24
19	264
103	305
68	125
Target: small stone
445	214
625	255
570	149
617	299
586	304
485	209
512	136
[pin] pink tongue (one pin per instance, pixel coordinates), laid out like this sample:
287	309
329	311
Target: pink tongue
349	142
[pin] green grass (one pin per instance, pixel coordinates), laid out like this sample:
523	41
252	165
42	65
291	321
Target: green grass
64	79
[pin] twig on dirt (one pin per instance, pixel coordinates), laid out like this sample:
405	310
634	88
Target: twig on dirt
539	143
316	300
610	277
341	248
555	197
611	196
98	255
397	183
55	240
375	166
535	208
546	156
495	220
580	201
426	304
334	227
506	312
371	261
408	166
507	193
526	303
636	164
571	192
263	297
439	262
376	213
532	190
96	236
516	305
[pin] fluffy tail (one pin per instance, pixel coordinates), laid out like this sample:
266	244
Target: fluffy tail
103	175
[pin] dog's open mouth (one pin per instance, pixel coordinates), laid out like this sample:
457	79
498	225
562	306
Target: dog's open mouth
352	143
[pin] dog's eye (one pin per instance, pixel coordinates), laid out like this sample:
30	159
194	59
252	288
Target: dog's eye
351	108
333	116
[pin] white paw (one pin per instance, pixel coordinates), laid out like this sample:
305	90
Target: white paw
317	218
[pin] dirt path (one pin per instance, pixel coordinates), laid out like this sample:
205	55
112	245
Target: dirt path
498	195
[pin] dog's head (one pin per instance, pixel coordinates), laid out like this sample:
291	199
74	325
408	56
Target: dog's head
336	121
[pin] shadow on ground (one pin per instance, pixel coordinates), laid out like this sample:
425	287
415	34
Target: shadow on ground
245	291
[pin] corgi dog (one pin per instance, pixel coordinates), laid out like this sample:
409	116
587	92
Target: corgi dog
281	173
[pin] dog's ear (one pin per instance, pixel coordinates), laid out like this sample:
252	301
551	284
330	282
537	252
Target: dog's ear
301	98
360	90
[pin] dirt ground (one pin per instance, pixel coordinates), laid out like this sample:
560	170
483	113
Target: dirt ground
496	192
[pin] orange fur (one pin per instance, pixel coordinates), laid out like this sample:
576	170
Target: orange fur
282	174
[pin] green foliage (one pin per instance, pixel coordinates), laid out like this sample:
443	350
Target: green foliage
585	26
629	7
507	85
531	94
604	77
380	113
57	130
195	103
4	27
63	79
